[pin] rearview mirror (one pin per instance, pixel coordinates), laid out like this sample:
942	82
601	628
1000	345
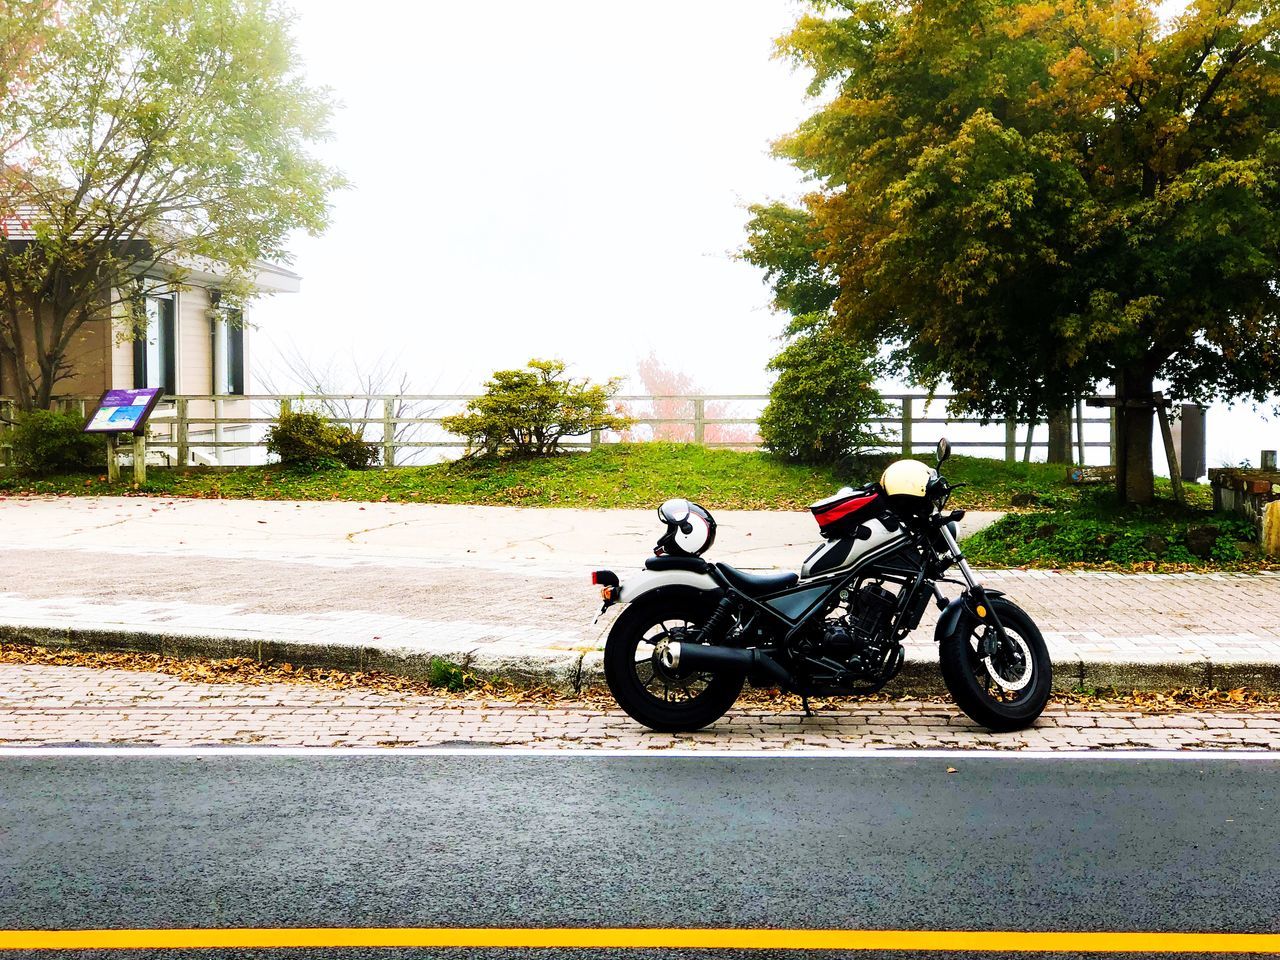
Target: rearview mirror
944	450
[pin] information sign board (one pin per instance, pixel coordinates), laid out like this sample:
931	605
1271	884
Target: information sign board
123	411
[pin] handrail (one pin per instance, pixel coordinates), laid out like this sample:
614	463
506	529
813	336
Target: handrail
399	418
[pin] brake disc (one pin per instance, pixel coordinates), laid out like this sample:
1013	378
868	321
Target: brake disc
1019	682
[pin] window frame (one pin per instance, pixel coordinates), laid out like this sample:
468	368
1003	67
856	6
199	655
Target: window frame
157	345
228	347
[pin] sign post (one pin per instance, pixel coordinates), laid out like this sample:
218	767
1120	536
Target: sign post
120	412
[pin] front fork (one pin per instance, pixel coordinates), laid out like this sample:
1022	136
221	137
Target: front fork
980	604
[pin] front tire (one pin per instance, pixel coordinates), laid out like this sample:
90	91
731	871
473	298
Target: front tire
660	698
998	692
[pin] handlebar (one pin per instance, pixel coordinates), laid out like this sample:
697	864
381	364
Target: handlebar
942	519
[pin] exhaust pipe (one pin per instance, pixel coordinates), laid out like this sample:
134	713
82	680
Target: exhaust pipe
701	656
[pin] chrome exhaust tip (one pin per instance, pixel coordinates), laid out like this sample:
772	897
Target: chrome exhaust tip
670	655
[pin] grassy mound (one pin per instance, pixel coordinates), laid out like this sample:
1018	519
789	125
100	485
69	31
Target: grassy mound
625	475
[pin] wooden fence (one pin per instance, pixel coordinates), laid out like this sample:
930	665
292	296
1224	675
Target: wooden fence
190	424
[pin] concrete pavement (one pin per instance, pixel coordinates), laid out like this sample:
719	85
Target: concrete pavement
351	534
503	590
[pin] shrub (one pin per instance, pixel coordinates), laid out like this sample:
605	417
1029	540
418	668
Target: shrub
821	405
45	442
307	440
1123	539
530	412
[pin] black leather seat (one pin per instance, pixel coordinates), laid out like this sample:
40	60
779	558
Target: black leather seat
691	564
758	584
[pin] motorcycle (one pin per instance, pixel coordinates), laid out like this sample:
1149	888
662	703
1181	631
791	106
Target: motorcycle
693	632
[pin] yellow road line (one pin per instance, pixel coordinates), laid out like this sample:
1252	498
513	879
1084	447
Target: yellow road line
641	938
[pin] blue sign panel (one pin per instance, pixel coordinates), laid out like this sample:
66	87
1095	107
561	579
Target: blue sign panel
123	411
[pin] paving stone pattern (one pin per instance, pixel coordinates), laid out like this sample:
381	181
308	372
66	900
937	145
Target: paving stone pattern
46	706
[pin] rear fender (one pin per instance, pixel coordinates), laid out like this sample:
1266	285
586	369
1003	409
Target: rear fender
949	620
636	586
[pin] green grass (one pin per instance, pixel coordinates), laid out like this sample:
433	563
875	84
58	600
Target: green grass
1055	523
626	475
1096	533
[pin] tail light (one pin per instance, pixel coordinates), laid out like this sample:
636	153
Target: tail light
607	581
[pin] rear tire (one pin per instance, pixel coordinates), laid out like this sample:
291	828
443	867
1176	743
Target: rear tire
667	701
970	681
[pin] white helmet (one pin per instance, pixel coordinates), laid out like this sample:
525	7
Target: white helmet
691	530
907	478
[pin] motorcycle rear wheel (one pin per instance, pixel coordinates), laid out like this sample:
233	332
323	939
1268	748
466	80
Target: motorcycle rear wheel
976	685
660	698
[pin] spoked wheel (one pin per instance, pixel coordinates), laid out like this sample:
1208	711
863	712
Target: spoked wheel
1004	682
665	698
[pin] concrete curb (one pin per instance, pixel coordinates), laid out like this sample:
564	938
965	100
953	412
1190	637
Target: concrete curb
572	672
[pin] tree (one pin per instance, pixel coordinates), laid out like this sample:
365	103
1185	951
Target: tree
668	390
530	412
1027	198
822	404
24	27
152	138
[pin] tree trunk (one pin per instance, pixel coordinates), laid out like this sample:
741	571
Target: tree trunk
1135	477
1060	436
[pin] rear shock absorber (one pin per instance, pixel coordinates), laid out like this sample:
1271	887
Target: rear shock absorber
717	625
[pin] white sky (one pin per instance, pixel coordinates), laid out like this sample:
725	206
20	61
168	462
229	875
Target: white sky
562	179
557	179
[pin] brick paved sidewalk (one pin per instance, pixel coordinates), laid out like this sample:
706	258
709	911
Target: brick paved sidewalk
47	706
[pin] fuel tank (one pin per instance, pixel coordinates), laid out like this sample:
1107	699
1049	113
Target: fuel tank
840	554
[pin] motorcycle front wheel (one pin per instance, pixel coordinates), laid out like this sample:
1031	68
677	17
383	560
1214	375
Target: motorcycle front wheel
1009	689
659	697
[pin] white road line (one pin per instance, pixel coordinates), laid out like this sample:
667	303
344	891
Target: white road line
143	752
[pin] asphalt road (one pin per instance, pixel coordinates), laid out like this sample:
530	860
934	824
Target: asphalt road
225	840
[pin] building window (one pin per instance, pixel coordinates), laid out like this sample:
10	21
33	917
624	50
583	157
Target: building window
154	353
228	354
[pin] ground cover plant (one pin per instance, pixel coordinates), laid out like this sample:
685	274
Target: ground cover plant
1095	532
1052	522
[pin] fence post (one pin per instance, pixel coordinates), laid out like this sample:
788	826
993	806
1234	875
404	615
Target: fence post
906	427
388	432
218	410
1080	430
1010	440
595	439
6	414
699	419
180	424
1115	439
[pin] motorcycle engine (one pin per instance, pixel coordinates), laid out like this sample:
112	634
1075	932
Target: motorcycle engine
857	649
866	625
